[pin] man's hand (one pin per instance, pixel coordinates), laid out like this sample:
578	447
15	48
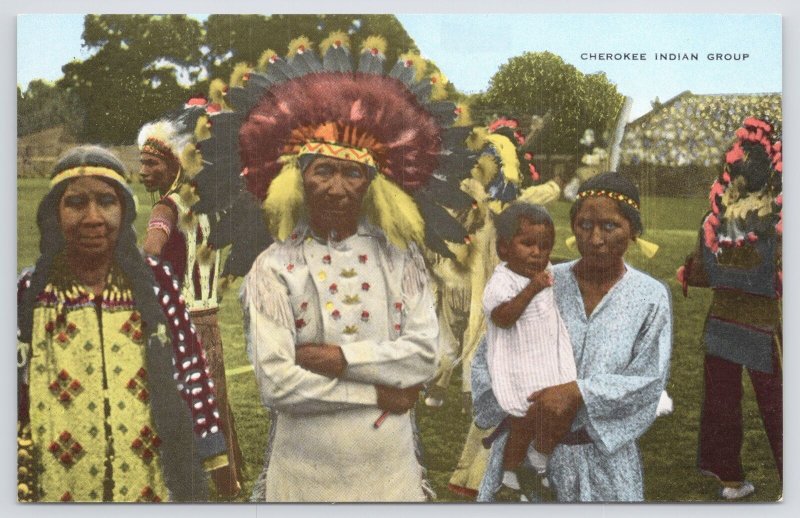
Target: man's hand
327	360
554	409
397	401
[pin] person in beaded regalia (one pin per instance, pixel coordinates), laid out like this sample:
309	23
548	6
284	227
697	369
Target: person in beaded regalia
169	159
115	402
339	316
738	256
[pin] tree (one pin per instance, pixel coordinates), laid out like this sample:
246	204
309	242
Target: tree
44	105
133	75
538	83
142	64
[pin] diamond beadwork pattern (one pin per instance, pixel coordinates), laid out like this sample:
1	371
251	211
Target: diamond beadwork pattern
65	387
66	449
137	386
145	444
148	495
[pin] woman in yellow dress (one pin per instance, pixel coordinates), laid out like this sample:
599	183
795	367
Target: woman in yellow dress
100	385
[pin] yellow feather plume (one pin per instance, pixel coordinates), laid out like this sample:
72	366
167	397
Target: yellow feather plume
187	222
485	169
648	248
333	38
224	285
283	206
473	218
418	62
389	207
438	86
239	75
374	42
462	251
508	157
463	117
205	254
191	160
298	44
263	61
202	130
495	207
739	208
216	93
188	196
477	139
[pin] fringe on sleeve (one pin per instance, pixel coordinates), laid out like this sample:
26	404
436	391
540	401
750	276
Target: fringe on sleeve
264	290
415	273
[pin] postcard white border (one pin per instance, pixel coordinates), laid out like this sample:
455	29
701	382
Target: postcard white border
791	114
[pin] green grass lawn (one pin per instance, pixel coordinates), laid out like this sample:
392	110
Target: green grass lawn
668	448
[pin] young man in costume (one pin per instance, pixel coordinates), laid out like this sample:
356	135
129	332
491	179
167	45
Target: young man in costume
177	235
738	256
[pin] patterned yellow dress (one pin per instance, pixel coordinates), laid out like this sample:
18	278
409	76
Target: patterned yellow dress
105	421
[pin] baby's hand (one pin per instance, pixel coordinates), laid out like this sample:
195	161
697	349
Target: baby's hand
542	279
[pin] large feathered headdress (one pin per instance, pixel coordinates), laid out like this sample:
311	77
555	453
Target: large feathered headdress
288	110
747	198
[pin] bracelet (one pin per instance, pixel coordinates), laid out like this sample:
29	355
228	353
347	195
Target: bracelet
160	224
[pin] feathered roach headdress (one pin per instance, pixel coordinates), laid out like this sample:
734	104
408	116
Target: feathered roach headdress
288	110
747	198
498	164
173	139
179	137
510	129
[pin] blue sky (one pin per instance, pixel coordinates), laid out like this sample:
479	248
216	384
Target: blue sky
469	48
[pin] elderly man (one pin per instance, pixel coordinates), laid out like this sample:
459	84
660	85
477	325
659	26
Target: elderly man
340	319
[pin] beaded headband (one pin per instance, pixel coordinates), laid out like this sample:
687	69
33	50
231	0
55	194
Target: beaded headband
616	196
84	170
153	146
329	149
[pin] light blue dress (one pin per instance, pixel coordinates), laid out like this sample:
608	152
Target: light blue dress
622	353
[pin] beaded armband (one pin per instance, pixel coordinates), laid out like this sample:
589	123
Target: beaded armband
160	224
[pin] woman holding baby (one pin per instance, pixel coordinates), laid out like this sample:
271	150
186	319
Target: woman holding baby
619	324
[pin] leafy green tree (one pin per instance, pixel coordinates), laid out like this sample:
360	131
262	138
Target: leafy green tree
541	83
44	105
132	77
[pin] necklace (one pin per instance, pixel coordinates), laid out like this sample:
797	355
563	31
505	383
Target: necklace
67	290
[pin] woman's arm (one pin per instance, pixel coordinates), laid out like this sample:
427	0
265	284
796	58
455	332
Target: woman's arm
486	409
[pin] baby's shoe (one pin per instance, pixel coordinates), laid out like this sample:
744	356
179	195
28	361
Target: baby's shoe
739	490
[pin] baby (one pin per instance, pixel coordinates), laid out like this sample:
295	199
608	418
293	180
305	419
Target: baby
528	345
